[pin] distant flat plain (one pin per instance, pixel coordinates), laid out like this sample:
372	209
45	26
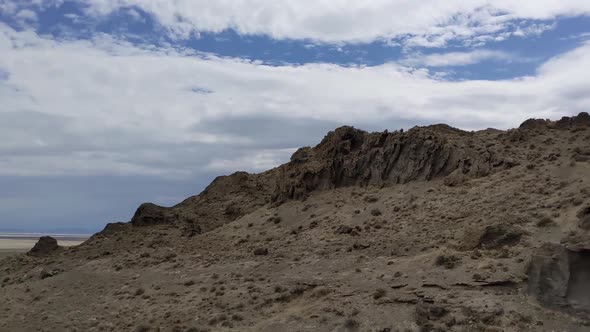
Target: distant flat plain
12	243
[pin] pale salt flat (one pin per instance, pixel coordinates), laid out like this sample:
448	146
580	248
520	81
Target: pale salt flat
14	243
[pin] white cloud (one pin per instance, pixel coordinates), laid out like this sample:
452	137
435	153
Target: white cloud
533	29
27	15
135	15
579	36
430	23
107	107
260	161
7	7
456	58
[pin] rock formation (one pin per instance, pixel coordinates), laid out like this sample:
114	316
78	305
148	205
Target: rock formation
46	245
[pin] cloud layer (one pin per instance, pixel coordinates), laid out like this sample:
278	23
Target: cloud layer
107	107
428	23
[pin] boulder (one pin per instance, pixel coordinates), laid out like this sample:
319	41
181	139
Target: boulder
46	245
548	275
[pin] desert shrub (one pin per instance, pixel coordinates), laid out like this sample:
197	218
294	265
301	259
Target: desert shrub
545	221
379	293
447	261
351	324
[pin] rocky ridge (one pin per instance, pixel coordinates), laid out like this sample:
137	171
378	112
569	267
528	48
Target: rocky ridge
431	229
346	157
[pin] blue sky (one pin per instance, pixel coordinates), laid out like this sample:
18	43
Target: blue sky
109	103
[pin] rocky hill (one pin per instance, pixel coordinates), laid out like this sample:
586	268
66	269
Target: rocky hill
431	229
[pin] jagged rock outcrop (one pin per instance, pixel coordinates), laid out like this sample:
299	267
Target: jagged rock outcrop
352	157
566	122
46	245
581	120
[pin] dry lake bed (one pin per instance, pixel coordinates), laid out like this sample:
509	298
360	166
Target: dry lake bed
11	243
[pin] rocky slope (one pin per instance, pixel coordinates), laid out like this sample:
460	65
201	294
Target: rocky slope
433	229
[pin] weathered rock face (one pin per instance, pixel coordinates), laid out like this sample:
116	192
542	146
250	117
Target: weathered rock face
352	157
44	246
559	274
578	292
581	120
549	275
584	216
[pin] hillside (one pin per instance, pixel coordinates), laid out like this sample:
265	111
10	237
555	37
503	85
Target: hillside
429	229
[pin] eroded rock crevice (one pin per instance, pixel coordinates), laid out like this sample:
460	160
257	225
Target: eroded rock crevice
559	279
578	290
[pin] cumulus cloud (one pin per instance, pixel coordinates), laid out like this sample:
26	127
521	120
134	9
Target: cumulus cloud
428	23
456	58
8	7
27	15
103	106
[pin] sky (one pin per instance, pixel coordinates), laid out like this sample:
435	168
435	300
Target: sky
105	104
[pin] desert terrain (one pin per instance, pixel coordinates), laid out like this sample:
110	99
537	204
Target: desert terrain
11	244
428	229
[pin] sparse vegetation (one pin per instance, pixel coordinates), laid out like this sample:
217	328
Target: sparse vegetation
447	261
351	324
545	221
275	219
379	293
143	328
376	212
